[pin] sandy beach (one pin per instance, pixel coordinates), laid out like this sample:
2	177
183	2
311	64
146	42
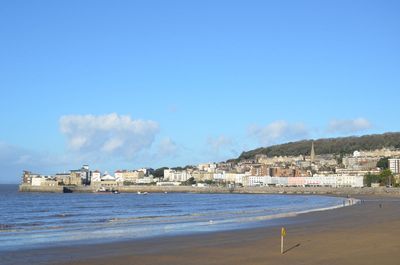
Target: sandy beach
368	233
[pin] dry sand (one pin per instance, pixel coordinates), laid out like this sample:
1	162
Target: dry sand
361	234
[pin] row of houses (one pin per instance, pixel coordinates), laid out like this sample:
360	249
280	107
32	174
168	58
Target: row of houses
334	181
85	177
244	179
105	180
173	177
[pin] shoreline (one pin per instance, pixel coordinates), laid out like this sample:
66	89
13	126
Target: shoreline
341	191
352	233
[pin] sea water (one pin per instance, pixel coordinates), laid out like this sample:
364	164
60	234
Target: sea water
34	220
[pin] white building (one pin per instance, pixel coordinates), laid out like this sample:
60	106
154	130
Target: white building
279	181
146	171
129	176
37	181
315	181
107	177
96	176
168	183
44	181
349	181
394	165
208	167
145	180
322	180
219	176
176	176
254	181
239	178
168	174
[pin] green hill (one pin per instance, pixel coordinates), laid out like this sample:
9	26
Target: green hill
343	145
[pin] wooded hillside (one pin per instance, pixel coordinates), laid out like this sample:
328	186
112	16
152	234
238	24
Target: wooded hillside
343	145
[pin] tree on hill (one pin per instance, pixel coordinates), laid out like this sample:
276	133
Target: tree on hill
383	163
159	172
384	178
337	146
189	182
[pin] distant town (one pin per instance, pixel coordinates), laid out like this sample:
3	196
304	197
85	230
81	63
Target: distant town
362	168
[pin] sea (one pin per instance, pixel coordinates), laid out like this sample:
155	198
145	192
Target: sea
40	220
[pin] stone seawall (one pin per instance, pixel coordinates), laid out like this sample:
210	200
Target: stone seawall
29	188
381	191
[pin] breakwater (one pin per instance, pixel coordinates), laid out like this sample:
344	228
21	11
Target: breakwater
380	191
29	188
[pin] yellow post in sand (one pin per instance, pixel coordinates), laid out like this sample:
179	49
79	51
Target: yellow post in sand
283	234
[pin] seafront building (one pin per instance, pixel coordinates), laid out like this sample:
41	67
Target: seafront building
27	177
176	175
296	171
106	181
394	165
129	176
44	181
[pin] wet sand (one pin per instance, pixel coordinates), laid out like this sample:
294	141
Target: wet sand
368	233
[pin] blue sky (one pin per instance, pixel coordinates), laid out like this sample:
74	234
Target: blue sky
125	84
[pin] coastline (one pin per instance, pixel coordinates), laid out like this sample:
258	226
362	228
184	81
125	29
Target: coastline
341	191
361	234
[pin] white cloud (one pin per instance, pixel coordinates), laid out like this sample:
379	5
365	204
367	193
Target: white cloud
349	126
15	159
278	131
167	147
216	144
219	148
110	134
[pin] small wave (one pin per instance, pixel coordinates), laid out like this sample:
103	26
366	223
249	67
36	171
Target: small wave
162	205
91	207
102	220
40	211
113	220
62	215
31	224
5	227
148	217
120	220
56	227
247	219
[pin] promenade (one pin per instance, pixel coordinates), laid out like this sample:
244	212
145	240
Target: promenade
343	191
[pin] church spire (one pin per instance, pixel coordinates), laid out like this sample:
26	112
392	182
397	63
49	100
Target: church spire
312	155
